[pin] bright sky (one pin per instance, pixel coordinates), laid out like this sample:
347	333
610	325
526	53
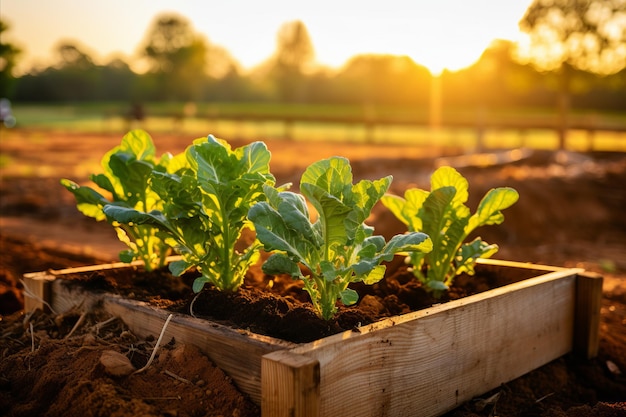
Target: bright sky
436	33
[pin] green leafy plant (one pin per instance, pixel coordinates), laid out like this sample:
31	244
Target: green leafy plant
338	248
205	207
443	215
127	169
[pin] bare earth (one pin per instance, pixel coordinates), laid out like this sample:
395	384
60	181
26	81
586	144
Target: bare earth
571	213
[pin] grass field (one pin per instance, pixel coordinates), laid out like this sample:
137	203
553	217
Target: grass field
338	123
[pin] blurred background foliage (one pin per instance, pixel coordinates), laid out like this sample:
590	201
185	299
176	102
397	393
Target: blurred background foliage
575	58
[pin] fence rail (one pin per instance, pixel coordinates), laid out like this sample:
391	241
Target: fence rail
463	128
583	133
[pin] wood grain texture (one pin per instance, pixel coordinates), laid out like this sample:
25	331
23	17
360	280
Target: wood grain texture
291	385
428	362
36	291
587	320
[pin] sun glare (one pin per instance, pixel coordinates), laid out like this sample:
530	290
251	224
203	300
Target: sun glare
455	33
442	34
449	54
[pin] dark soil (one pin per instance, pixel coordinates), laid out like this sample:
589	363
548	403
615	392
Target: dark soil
284	310
570	214
48	370
278	306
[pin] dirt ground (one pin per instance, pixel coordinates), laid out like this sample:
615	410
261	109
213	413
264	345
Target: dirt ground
570	213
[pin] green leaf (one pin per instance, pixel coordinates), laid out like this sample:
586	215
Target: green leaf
469	252
396	205
437	211
328	271
376	274
127	256
415	200
294	212
371	246
128	215
132	176
279	263
177	268
365	194
275	234
450	177
172	163
256	158
490	207
333	175
409	242
88	201
332	215
211	162
105	183
349	296
437	285
199	283
138	143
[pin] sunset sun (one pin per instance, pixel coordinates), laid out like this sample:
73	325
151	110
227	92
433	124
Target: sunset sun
454	34
446	34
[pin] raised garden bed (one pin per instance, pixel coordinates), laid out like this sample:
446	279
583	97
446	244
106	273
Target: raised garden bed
425	362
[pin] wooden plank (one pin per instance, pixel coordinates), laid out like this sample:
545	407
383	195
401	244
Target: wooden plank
428	362
235	351
587	319
290	386
44	287
81	269
36	291
522	265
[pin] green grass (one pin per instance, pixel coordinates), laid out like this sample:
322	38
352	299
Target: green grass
259	121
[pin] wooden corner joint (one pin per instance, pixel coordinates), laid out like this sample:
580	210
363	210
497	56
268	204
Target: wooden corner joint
37	292
290	385
588	302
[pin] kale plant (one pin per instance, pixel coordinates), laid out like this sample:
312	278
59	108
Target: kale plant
205	207
127	169
443	215
338	248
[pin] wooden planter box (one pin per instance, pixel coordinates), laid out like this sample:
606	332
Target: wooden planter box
422	363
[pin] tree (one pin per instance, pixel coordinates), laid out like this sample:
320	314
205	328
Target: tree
74	76
294	54
221	63
117	81
565	35
225	80
177	57
8	56
384	80
70	55
495	80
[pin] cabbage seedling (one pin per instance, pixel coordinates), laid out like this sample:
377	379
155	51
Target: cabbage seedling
127	168
338	248
443	215
205	205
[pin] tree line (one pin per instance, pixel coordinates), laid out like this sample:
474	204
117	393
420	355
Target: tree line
182	65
